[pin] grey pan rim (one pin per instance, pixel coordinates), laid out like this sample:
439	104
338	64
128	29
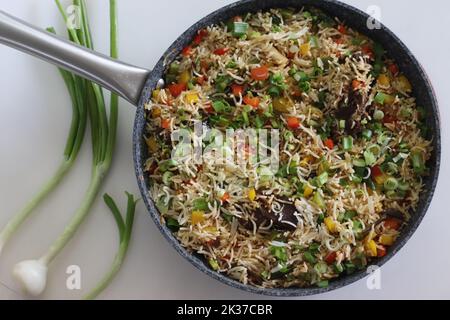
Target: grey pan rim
351	16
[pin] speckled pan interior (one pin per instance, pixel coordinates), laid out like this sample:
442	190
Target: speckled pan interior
355	18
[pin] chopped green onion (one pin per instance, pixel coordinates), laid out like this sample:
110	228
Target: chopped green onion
403	186
240	28
172	224
322	179
279	253
369	158
305	86
309	257
392	168
321	267
341	124
201	204
318	200
379	98
378	115
214	264
347	143
323	284
166	177
359	163
338	268
391	184
418	162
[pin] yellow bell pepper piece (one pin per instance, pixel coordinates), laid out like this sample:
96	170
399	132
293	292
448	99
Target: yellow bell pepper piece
383	80
251	194
156	112
192	97
308	191
210	229
380	179
404	83
305	161
371	247
197	217
155	94
387	239
305	49
184	77
152	144
331	224
389	99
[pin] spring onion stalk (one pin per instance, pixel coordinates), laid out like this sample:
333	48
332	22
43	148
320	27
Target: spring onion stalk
124	228
72	148
103	142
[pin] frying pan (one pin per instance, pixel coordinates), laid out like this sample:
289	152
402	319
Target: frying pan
136	84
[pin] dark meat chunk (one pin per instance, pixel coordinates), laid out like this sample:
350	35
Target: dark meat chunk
286	220
352	111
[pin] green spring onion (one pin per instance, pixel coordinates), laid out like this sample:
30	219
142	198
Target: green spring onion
347	143
367	134
240	28
418	162
361	163
369	158
322	179
124	227
378	115
379	98
391	184
201	204
309	257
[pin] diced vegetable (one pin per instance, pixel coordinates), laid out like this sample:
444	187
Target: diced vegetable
279	253
192	97
378	115
176	89
260	73
371	247
330	258
387	239
384	80
379	98
356	84
184	77
240	28
309	257
282	104
214	264
393	68
201	204
172	224
251	194
322	179
225	197
341	28
392	223
305	49
329	143
165	123
293	122
369	158
391	184
221	51
347	143
418	162
308	191
201	34
381	251
330	224
187	51
404	84
197	217
367	134
251	101
237	89
318	200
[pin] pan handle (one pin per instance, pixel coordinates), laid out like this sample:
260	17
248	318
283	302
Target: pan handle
121	78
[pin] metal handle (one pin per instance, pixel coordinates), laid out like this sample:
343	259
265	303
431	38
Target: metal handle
121	78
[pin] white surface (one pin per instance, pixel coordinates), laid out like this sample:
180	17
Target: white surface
34	120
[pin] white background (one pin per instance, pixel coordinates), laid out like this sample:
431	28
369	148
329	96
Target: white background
34	121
